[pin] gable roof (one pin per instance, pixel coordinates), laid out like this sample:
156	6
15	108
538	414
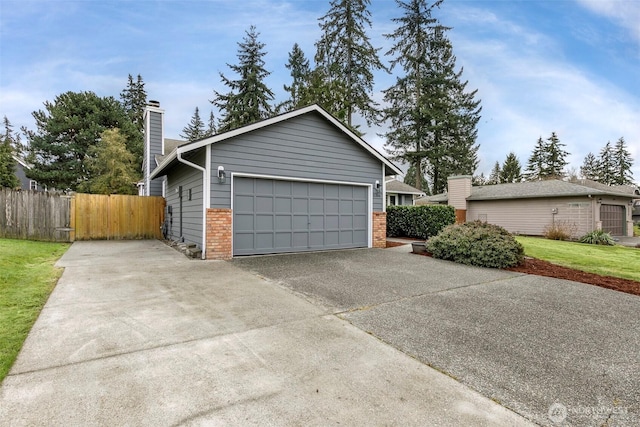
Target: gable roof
21	162
171	158
395	186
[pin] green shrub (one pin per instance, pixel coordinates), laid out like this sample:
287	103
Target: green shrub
419	222
598	237
477	243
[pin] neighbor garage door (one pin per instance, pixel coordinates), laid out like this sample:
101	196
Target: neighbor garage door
274	216
613	219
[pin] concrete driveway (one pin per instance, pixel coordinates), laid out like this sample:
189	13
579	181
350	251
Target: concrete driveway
553	351
136	334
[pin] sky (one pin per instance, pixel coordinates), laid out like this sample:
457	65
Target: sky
565	66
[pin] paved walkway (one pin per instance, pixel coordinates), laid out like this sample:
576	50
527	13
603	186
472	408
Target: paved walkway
136	334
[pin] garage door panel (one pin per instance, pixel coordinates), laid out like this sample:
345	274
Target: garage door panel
243	222
264	240
283	188
272	216
284	222
264	222
244	203
283	204
613	219
264	204
283	240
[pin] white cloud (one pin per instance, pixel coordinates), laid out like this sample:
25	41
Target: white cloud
625	13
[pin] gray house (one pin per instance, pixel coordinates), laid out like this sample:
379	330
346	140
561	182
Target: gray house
400	194
529	207
300	181
25	183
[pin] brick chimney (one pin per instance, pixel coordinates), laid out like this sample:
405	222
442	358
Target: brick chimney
459	188
153	146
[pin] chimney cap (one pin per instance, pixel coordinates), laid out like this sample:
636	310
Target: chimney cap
153	103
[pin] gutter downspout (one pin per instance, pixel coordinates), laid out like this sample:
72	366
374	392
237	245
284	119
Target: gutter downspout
206	198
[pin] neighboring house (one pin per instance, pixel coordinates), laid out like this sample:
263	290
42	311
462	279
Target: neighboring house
26	183
529	207
401	194
300	181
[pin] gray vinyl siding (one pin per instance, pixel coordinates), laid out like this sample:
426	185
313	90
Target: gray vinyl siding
531	216
190	179
305	147
155	149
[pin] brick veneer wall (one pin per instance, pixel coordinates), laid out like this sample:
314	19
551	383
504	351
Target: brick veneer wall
219	234
379	230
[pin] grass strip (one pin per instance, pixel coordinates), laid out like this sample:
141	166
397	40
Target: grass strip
27	277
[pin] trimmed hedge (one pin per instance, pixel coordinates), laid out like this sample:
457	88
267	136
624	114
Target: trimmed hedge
477	243
419	222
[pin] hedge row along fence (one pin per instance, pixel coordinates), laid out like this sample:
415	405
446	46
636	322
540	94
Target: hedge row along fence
420	222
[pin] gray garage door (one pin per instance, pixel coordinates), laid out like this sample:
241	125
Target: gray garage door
613	219
273	216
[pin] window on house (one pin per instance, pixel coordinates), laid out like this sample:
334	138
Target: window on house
33	185
392	200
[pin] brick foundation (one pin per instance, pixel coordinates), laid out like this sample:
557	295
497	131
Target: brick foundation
379	230
219	238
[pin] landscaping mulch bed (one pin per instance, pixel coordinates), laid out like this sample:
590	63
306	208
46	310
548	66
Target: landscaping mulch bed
545	268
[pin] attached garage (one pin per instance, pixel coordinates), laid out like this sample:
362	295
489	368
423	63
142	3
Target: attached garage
614	220
297	182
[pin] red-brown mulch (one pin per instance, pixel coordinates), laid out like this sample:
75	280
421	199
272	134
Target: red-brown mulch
545	268
391	244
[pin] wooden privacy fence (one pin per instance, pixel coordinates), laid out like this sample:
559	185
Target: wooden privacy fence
57	217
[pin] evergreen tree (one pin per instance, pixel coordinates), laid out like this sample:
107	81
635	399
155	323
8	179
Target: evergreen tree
479	180
589	168
622	163
606	169
432	116
511	169
494	176
211	128
134	101
195	129
410	179
8	148
536	163
248	99
554	158
68	127
345	54
298	64
111	166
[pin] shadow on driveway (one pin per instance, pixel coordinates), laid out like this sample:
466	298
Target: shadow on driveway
554	351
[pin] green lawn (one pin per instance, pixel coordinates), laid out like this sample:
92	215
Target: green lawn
27	277
617	261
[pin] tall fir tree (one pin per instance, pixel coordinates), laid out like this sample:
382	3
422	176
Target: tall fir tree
134	100
66	130
589	168
536	163
211	127
9	143
494	176
622	163
554	158
344	54
511	170
249	98
195	129
410	179
300	71
606	169
432	117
